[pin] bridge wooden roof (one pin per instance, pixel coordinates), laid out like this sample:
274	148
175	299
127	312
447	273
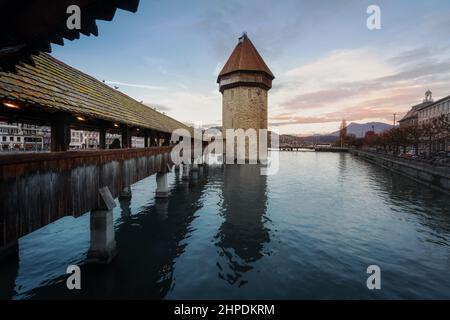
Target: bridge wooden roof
29	27
53	86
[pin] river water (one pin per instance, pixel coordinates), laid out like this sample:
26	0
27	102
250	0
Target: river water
310	231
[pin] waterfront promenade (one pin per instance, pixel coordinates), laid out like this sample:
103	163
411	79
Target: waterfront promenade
437	177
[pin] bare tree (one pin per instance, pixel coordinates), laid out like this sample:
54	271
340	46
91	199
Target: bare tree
343	132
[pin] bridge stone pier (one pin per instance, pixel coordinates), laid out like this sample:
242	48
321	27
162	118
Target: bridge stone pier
162	186
103	243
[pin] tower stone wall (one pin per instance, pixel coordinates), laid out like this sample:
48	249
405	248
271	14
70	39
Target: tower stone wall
244	108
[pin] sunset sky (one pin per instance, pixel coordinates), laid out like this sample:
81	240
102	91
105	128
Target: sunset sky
328	65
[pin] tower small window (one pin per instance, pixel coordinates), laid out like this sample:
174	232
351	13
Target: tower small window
249	94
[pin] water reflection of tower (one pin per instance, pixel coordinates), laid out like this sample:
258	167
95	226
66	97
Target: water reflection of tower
242	235
342	166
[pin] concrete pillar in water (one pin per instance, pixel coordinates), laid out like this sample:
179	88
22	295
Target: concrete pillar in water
125	193
185	175
162	188
103	244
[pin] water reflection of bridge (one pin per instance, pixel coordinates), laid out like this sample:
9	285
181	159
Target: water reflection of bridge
148	244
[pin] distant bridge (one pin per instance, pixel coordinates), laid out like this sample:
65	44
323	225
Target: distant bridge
317	148
294	147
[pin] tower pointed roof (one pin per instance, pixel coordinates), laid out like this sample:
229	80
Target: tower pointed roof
245	57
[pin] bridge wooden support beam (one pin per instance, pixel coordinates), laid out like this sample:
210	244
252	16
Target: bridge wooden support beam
126	137
102	138
103	243
162	186
60	132
146	139
167	141
153	139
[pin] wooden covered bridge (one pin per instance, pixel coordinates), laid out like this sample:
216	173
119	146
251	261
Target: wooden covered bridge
35	88
38	188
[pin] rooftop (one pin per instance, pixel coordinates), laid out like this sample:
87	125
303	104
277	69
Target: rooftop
51	86
245	57
413	112
29	27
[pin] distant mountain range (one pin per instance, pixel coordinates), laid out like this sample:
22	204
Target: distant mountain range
357	129
360	129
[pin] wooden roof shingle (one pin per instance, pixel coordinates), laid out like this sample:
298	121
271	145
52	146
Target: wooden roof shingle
57	86
245	57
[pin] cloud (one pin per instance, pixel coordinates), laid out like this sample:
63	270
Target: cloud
136	85
191	105
342	66
349	114
359	84
412	55
422	76
273	27
158	107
